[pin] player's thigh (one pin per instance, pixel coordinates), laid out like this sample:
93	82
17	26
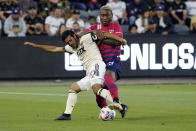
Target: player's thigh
97	74
110	73
84	83
113	68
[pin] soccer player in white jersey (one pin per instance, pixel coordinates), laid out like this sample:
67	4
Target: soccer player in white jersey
84	46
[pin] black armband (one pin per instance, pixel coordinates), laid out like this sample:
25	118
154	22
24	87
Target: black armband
94	37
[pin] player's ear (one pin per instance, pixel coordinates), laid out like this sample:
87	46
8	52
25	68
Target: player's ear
75	36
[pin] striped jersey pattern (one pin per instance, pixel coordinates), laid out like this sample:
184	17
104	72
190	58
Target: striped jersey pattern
109	52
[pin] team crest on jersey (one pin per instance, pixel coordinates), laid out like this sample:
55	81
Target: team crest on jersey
111	31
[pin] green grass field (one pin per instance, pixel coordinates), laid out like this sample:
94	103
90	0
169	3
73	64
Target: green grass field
151	108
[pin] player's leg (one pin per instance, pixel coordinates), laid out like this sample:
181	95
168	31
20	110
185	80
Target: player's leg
110	78
72	98
97	80
97	89
112	74
102	92
71	101
101	102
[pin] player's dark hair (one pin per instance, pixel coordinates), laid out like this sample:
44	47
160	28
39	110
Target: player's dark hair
67	33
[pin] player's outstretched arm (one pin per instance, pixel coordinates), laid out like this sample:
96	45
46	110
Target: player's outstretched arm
48	48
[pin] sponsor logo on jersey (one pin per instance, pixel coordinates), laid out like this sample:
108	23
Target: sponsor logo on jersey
81	51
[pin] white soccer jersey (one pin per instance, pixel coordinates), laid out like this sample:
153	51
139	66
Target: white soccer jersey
87	51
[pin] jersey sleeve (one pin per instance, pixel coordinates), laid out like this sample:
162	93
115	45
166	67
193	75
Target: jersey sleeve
48	20
118	30
93	27
68	49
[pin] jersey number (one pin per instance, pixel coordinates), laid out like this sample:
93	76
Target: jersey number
95	72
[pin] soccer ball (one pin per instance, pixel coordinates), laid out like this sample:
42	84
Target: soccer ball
106	114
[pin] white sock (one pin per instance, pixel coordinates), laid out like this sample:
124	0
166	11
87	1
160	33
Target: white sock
105	94
71	101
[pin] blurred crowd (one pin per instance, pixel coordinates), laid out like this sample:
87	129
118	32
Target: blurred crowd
48	17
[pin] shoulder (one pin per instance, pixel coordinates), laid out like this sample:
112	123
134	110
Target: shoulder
61	19
80	20
115	23
90	37
21	19
49	18
69	20
9	18
109	3
93	27
122	3
117	26
86	37
138	20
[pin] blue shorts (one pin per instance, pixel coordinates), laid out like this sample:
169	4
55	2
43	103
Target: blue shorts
115	66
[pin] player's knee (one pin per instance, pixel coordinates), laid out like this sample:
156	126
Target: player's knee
110	73
108	80
75	87
96	88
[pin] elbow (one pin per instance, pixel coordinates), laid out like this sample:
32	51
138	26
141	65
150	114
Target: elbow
117	43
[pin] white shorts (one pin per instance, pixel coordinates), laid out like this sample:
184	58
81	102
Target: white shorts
95	75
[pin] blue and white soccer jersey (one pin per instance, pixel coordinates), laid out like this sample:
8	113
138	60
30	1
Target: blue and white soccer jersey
95	75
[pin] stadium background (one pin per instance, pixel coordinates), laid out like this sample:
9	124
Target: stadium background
21	62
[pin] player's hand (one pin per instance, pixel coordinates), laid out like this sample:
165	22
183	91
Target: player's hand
100	34
124	42
29	43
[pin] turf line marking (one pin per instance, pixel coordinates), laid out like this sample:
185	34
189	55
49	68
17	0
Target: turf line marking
35	94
